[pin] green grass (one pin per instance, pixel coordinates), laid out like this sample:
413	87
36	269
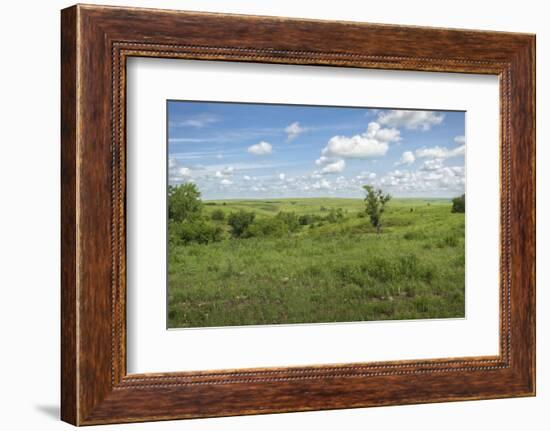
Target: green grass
333	272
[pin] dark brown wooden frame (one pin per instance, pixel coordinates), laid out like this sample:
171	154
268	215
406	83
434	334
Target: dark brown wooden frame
95	43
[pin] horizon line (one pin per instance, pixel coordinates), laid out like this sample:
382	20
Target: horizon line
327	197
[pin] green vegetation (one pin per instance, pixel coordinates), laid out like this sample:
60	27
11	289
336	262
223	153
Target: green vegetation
295	260
376	202
459	204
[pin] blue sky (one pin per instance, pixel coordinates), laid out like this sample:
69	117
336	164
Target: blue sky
238	150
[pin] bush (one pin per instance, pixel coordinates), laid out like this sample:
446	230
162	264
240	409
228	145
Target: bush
267	227
459	204
196	231
217	215
308	219
240	221
290	220
335	215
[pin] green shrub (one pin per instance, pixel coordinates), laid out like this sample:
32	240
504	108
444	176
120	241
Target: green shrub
240	221
267	227
307	219
217	215
289	219
195	231
335	215
459	204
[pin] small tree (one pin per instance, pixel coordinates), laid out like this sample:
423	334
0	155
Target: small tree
375	202
459	204
184	202
240	221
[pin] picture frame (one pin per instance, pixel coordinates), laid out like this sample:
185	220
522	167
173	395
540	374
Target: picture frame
96	42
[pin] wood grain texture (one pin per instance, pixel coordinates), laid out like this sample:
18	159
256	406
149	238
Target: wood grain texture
69	366
96	41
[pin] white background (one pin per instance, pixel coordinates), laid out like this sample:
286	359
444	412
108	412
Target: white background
29	225
151	348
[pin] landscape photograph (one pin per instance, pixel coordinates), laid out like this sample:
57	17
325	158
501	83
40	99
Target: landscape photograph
297	214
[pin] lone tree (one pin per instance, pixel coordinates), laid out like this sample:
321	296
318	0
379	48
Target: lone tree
459	204
375	202
184	202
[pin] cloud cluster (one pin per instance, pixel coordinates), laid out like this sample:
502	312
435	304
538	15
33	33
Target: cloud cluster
293	130
420	172
177	173
374	142
366	176
334	168
423	120
438	152
225	172
440	181
407	158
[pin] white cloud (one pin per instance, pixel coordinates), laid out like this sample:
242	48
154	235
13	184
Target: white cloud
185	172
440	152
373	143
422	120
407	158
293	130
260	149
323	160
247	178
322	184
226	182
432	165
225	172
198	121
334	168
461	139
366	176
282	177
177	173
432	179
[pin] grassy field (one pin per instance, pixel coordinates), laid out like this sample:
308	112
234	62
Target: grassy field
325	272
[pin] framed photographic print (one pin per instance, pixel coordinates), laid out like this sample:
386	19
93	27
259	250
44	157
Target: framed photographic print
260	217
